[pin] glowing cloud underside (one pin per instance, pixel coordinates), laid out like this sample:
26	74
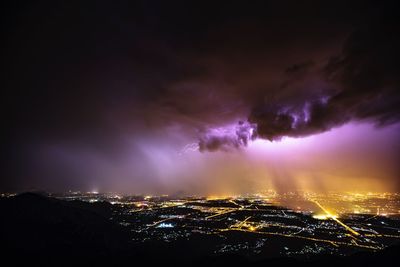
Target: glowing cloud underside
354	157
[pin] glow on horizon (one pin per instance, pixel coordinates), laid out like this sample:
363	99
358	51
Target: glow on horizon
353	157
336	159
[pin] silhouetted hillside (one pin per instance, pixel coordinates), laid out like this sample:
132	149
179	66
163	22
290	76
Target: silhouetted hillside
45	228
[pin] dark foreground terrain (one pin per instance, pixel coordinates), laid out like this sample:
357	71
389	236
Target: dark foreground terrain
40	231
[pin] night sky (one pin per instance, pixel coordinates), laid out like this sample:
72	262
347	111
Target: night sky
196	97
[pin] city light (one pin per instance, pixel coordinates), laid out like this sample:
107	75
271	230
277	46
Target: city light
328	220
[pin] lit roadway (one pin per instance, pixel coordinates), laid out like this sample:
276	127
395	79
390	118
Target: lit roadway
334	243
251	229
244	226
333	217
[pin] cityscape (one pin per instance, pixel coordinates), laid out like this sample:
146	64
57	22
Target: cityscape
259	225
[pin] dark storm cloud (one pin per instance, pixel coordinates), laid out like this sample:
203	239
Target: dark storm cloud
364	81
94	74
73	66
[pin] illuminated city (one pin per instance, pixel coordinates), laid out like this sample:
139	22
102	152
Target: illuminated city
345	223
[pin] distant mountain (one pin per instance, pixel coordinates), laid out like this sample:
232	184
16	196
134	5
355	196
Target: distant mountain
40	231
